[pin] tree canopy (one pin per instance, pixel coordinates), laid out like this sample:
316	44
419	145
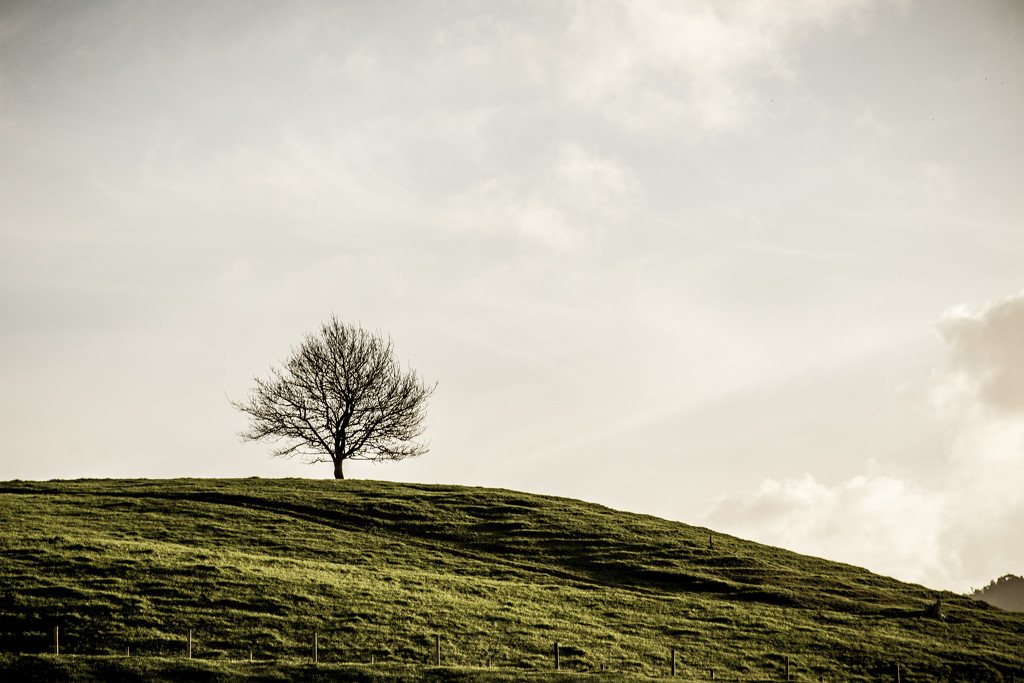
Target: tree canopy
341	395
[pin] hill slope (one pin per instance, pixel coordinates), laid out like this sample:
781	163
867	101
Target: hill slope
380	569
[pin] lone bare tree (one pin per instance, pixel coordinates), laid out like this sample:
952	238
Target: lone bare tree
340	396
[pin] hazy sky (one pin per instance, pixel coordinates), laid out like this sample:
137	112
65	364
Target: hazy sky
752	264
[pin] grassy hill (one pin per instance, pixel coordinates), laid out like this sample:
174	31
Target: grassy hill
382	570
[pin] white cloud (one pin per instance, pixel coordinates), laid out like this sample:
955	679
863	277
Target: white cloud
640	65
959	532
985	371
592	184
650	63
564	206
874	520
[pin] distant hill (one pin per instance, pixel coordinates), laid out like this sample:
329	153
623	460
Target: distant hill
1006	592
385	572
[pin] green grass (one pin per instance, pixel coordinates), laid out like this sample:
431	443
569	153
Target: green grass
379	569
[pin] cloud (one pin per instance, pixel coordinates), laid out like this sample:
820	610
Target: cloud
985	370
648	63
639	65
874	520
959	531
563	206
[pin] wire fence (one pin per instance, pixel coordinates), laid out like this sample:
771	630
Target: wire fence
439	650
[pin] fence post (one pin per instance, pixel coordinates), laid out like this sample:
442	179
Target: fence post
437	647
787	667
250	655
189	651
897	672
558	664
56	640
673	661
316	647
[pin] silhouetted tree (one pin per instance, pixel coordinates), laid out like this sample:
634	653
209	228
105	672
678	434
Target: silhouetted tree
340	396
1006	592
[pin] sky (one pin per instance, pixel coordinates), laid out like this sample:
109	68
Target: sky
753	265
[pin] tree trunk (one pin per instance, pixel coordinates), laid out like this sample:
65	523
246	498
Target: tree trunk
338	474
